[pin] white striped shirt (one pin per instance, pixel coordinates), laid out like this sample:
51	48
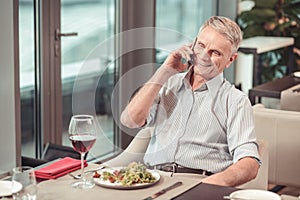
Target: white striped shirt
209	128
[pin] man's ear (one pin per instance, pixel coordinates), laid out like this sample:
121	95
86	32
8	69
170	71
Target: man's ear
231	59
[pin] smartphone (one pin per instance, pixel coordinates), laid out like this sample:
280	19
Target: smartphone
190	62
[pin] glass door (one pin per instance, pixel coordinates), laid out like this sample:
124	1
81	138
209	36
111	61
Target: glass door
87	67
66	67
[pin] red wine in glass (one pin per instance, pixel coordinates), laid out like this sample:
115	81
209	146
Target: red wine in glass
83	143
82	134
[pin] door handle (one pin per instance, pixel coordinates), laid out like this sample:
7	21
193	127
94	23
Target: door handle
58	34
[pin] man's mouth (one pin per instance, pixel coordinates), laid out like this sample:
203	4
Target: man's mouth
204	64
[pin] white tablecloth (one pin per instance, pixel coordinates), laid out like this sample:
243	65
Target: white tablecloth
61	188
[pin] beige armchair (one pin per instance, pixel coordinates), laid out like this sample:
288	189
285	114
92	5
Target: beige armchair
137	148
280	129
261	180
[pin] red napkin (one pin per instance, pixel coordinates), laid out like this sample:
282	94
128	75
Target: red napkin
59	168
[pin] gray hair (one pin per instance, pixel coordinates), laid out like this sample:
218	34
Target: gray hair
226	27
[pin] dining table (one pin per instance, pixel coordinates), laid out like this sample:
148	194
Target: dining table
191	188
273	88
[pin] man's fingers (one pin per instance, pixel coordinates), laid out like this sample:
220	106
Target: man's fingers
184	53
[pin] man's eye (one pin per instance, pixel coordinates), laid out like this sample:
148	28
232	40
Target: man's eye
217	53
201	45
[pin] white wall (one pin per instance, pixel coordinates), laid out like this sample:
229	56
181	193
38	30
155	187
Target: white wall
7	102
244	71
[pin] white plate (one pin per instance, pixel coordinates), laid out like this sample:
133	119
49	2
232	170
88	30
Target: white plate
6	188
254	194
115	185
297	74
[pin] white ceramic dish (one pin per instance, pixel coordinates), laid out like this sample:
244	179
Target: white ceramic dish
115	185
253	194
297	74
6	188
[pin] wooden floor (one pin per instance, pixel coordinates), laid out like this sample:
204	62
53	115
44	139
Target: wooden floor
289	190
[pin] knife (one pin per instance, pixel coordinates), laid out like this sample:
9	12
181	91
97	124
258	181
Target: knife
163	191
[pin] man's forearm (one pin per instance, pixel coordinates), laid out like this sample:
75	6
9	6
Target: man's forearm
137	111
237	174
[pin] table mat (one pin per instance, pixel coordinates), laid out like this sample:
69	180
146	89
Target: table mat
61	188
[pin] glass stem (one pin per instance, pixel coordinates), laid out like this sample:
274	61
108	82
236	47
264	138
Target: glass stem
82	166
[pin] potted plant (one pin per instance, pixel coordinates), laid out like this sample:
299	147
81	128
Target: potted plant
272	18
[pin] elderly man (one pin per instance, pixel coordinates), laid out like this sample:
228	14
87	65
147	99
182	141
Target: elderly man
202	124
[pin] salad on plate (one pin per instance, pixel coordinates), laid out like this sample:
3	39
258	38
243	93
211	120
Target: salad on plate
135	174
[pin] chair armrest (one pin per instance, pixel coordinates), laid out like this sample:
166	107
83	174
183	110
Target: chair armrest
135	151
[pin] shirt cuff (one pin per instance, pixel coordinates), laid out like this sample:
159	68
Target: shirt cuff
246	150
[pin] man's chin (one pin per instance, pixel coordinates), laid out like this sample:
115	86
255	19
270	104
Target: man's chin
206	72
208	75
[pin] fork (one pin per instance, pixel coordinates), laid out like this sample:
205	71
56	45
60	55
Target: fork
87	171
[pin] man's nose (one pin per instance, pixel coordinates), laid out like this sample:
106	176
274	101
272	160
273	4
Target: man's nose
203	54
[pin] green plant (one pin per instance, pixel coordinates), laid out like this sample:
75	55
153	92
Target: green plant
273	18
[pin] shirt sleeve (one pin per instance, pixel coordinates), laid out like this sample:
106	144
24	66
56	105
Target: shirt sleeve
153	110
241	135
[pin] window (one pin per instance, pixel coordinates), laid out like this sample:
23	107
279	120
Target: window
88	77
94	22
178	22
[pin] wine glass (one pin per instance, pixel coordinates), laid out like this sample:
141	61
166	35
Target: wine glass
23	183
82	133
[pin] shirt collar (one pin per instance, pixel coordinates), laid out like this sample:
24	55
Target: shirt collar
214	84
185	79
